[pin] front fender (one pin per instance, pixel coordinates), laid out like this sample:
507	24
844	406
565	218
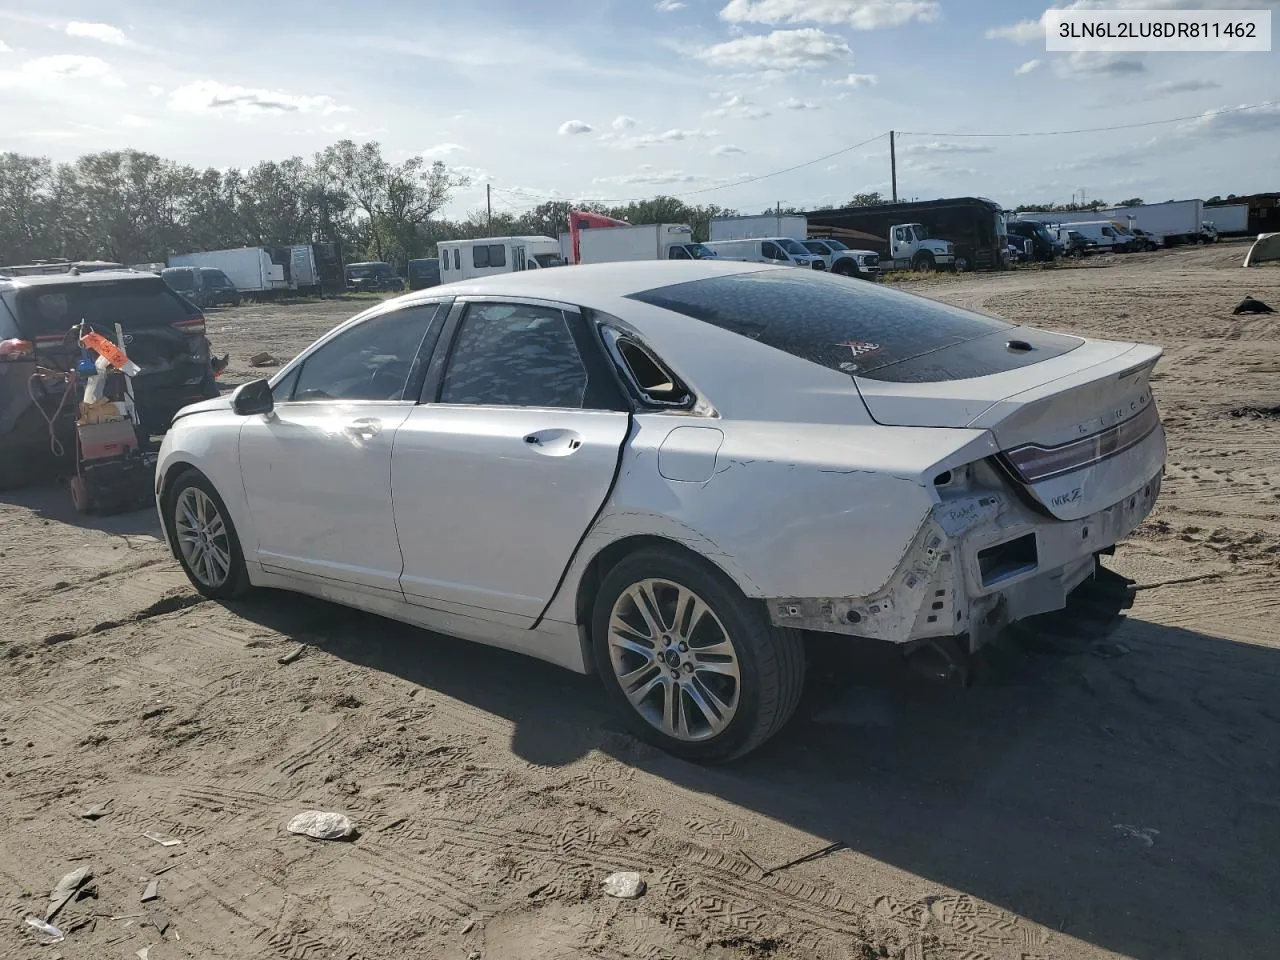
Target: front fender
209	442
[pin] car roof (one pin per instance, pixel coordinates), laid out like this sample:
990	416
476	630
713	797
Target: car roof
594	285
61	279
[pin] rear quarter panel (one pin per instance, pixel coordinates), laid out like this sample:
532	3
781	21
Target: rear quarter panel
783	509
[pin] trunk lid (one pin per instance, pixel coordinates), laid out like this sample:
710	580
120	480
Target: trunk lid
1078	431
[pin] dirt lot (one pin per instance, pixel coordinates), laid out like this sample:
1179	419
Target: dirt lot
1080	807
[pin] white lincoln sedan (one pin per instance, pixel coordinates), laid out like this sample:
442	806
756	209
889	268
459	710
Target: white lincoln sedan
666	473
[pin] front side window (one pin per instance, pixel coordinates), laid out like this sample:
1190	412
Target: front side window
790	246
677	253
515	355
770	251
374	360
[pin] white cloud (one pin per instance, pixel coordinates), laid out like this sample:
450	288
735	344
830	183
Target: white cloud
791	103
936	147
442	150
5	48
643	140
623	122
738	107
651	176
1170	88
1024	31
727	149
155	90
780	50
210	95
917	166
666	6
853	80
103	32
574	127
44	72
1027	67
134	122
1090	63
859	14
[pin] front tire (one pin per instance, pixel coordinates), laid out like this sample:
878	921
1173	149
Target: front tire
923	262
204	538
692	664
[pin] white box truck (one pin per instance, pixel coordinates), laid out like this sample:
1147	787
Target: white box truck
251	269
649	241
762	227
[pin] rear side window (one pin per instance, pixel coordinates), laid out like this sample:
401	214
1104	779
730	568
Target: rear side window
858	328
133	304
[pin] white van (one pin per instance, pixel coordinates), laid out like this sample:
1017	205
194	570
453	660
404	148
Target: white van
779	250
1109	235
467	259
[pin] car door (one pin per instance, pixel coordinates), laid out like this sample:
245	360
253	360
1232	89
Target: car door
317	469
498	475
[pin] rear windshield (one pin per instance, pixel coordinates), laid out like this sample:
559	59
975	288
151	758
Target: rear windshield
857	327
134	303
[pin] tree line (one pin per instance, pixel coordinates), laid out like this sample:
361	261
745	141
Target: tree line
128	206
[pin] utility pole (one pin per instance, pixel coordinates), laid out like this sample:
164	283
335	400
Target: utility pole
893	167
488	203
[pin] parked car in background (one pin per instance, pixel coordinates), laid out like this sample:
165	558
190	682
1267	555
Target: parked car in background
373	276
775	250
164	335
1075	244
946	474
203	286
1147	241
424	273
864	264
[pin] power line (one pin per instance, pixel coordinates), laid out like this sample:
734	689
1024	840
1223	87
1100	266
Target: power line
1119	126
702	190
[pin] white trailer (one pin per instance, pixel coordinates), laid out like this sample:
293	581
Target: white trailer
303	275
762	227
1228	219
1176	222
468	259
649	241
251	269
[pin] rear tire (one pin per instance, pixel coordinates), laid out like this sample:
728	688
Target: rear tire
710	678
204	538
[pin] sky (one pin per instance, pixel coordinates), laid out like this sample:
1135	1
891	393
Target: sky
623	99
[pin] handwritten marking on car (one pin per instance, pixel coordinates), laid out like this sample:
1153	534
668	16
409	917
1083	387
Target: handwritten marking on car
1062	499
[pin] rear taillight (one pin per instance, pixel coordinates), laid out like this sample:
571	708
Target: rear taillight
193	326
16	350
1034	463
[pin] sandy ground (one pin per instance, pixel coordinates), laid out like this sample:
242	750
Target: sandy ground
1078	807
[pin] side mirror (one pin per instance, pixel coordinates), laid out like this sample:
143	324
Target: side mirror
253	397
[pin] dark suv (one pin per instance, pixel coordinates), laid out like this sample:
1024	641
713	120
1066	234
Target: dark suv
373	277
164	334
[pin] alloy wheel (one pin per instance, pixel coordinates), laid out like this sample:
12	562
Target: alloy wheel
202	537
674	660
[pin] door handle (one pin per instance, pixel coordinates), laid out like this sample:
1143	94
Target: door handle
554	442
366	428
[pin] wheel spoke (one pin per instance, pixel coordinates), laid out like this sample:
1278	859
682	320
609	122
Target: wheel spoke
726	669
682	712
640	693
670	706
633	680
714	699
646	605
689	612
621	630
695	693
722	649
